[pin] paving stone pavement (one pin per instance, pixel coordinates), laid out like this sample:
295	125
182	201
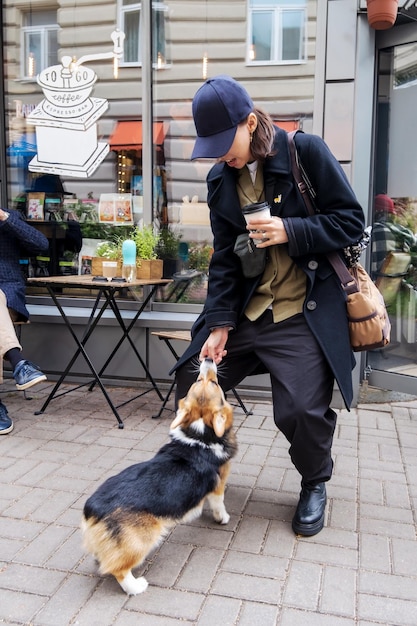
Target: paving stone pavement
360	570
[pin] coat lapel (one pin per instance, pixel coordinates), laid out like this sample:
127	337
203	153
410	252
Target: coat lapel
278	183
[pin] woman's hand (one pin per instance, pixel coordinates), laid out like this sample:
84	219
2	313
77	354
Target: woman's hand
214	346
270	231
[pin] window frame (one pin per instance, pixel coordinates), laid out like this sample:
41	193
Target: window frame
157	7
43	30
277	11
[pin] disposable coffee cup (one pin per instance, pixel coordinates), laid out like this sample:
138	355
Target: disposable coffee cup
258	210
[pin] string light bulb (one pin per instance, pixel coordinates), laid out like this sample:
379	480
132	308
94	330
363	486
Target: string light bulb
31	56
205	55
31	65
118	38
205	64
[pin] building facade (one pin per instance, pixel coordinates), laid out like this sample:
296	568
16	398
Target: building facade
119	126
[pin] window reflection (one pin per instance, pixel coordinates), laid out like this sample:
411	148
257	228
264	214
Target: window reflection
183	34
394	235
40	43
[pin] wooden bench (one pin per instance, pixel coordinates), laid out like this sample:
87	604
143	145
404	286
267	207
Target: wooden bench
167	336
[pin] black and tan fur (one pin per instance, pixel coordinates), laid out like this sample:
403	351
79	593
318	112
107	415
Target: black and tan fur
129	514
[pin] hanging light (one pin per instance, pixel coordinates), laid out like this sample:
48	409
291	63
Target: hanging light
118	38
252	53
115	67
31	56
205	63
160	61
205	55
31	65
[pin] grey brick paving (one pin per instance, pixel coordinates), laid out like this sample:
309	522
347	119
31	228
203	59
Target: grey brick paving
361	570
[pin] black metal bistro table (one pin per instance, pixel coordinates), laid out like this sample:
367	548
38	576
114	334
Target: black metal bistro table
105	299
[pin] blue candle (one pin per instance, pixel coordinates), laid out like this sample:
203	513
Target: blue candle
129	252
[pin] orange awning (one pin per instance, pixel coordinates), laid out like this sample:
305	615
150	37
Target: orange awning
128	135
288	125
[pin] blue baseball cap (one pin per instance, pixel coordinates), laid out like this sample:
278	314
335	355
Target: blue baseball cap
219	106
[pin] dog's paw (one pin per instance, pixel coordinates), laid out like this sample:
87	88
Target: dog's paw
216	503
221	517
133	586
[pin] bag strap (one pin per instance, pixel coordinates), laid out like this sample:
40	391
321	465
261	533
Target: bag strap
303	183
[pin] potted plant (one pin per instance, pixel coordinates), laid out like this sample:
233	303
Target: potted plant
147	263
106	251
382	13
200	255
167	250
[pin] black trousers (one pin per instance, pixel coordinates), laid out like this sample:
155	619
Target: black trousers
301	381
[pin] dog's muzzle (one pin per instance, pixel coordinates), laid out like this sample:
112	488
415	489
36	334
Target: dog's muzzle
207	365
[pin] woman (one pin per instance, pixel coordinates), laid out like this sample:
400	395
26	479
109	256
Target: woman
291	320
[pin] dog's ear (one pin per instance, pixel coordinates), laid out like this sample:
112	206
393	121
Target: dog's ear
219	424
179	418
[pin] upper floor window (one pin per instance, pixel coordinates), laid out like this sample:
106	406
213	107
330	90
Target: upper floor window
39	42
131	25
276	31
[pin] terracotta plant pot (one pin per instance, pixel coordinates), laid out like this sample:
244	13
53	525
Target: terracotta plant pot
382	13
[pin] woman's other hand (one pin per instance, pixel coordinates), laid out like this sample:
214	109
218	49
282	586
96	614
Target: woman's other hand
270	231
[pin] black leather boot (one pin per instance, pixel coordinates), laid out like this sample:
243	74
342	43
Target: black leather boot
309	516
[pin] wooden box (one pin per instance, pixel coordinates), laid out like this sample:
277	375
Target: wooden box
97	266
147	270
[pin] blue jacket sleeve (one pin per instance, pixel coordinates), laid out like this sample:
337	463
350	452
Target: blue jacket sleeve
27	237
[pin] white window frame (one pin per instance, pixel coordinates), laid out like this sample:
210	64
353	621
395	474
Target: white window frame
43	31
277	11
123	9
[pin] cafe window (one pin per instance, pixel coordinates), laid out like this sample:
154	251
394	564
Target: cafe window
276	31
39	42
131	25
108	164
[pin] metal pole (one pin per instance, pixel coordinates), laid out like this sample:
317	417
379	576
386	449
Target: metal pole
3	170
147	115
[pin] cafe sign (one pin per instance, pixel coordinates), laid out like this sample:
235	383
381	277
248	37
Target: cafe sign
66	119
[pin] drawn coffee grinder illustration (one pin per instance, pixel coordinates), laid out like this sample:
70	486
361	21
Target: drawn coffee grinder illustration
66	120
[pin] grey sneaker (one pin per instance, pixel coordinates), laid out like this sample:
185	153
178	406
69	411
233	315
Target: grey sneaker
6	424
26	374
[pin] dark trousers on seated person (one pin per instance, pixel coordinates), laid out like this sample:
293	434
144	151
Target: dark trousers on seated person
301	380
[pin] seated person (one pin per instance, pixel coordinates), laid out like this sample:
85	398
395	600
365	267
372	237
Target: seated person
72	242
17	238
387	234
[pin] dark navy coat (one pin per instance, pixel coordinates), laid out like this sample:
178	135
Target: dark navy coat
17	239
338	223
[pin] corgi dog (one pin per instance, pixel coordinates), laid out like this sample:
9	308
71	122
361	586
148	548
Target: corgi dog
130	513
